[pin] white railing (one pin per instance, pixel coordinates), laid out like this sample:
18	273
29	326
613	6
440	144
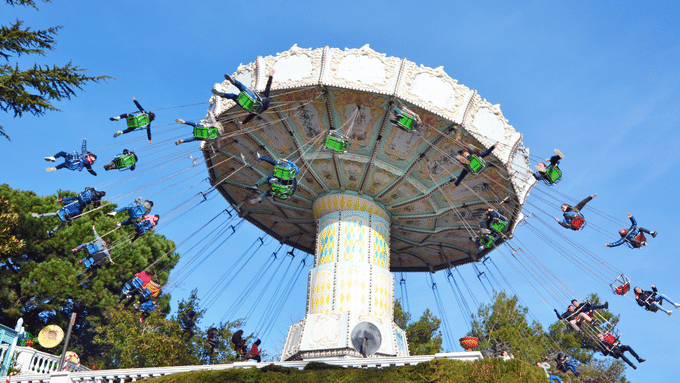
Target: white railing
134	374
32	361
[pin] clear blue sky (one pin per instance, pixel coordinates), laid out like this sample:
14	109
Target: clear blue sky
599	81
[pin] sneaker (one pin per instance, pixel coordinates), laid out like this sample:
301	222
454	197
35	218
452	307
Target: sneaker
107	167
654	233
228	78
115	118
559	153
254	187
606	305
50	233
179	121
136	305
50	158
255	201
634	368
51	169
118	224
641	360
83	284
112	214
179	142
677	305
35	215
118	133
669	312
259	157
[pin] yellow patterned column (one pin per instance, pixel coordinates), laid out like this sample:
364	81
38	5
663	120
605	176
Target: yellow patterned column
351	272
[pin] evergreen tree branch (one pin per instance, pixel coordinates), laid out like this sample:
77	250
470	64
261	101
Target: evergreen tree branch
17	40
49	83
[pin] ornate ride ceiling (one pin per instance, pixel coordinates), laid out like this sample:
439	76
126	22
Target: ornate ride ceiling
408	174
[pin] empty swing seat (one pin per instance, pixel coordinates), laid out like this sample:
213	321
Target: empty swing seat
336	144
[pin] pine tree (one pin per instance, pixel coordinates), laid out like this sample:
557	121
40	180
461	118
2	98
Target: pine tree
424	337
33	90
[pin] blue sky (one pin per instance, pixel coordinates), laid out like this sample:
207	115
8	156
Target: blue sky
598	80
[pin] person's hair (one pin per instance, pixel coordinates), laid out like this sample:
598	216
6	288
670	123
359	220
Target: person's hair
150	203
560	355
94	156
108	241
257	342
152	116
574	300
150	272
156	280
192	313
157	216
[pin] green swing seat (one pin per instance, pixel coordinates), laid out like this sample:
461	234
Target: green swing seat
206	132
336	143
282	191
124	161
284	174
477	164
138	120
248	103
498	225
406	121
554	175
487	240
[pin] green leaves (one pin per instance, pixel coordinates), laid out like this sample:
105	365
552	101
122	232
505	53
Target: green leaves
33	90
423	336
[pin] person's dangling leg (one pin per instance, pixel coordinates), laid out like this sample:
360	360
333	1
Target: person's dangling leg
624	348
643	230
661	297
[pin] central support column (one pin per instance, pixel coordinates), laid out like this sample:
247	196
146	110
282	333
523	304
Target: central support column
351	282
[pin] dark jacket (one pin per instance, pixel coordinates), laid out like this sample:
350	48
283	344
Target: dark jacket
646	298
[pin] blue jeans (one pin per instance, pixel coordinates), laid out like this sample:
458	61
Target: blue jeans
240	87
571	368
659	299
553	378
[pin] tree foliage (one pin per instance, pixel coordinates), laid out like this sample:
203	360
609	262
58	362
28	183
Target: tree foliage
503	326
160	341
39	280
33	90
424	337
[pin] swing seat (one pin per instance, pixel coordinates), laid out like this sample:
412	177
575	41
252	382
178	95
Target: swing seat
136	211
138	120
640	237
336	144
284	174
134	284
64	214
282	191
498	225
487	240
73	161
124	161
144	226
86	197
92	247
477	164
248	103
578	222
621	285
145	293
206	132
88	261
406	122
553	175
